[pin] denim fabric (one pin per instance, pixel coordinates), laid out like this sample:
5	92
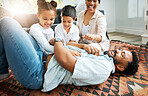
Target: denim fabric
20	52
3	61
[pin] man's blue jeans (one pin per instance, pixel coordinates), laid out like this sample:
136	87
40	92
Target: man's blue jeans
20	52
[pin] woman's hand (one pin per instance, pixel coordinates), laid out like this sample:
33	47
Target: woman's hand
74	53
89	37
91	49
93	37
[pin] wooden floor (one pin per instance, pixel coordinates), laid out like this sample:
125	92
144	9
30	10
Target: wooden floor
133	39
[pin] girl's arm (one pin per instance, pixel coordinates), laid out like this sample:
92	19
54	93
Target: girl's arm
40	38
51	41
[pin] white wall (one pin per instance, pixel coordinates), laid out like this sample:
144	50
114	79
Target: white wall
74	2
117	15
109	8
130	19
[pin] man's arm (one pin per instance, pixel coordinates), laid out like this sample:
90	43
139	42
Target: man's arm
64	57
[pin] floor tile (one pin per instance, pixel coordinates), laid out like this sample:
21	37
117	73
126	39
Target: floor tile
134	39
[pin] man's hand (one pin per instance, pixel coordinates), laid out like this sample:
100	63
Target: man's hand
91	49
74	53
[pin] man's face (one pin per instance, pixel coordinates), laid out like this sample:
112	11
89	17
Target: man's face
121	57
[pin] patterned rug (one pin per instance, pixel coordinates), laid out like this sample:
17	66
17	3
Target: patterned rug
116	84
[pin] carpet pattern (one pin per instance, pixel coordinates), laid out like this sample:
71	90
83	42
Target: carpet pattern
116	84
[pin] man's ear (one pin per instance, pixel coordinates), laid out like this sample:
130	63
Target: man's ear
120	67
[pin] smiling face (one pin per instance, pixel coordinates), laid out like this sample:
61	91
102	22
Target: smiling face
92	5
67	22
121	58
46	18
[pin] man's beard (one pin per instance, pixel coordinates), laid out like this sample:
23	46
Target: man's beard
115	52
115	61
107	52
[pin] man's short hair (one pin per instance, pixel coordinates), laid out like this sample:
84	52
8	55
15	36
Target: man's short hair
69	11
132	67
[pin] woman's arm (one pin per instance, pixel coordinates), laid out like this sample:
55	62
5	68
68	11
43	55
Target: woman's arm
101	28
40	38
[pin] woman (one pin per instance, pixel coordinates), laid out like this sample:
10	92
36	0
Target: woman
92	26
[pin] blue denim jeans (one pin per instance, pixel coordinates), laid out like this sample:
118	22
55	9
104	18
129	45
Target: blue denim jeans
20	52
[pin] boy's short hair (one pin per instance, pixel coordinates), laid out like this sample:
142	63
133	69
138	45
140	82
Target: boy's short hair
68	11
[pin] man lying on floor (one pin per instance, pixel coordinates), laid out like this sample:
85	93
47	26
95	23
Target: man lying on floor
70	65
85	69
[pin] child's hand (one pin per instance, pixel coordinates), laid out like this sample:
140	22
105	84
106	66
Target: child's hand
51	41
72	41
74	53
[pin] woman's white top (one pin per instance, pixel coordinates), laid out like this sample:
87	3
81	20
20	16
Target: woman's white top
85	29
97	25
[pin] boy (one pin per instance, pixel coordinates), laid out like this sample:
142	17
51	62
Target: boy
67	31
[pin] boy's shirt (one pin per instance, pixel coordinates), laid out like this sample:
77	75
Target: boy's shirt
61	33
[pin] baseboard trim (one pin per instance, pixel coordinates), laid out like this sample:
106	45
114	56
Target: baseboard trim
136	31
128	30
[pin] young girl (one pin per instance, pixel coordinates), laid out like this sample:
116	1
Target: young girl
67	31
42	31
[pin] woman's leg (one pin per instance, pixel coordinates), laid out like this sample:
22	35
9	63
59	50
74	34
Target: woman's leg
23	55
